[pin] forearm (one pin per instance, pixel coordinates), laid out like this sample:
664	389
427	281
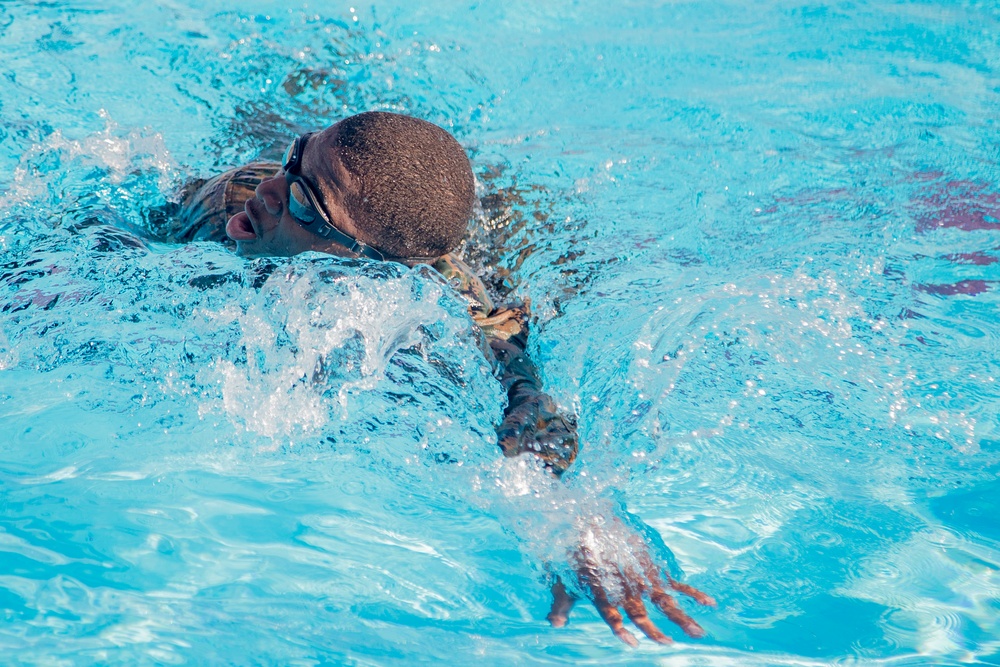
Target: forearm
532	422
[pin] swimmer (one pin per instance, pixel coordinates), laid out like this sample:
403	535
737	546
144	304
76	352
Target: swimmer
395	188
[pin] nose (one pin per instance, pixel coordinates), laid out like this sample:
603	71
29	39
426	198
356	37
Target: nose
271	191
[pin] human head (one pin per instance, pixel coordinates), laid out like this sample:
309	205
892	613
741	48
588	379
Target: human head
397	183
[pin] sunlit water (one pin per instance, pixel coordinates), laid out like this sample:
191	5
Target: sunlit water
761	244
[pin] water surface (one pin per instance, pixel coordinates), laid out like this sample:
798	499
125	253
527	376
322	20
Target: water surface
761	247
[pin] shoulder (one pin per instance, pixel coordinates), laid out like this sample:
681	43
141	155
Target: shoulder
208	205
241	180
213	190
254	173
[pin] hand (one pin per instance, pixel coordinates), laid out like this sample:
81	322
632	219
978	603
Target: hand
612	585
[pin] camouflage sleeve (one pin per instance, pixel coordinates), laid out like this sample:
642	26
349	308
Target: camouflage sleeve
206	206
532	422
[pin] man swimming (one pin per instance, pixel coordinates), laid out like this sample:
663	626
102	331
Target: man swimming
395	188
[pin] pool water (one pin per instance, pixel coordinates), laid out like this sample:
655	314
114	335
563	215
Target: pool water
762	247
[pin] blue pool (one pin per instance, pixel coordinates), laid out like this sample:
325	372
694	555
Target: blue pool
762	248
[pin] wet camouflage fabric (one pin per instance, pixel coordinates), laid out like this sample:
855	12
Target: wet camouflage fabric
531	423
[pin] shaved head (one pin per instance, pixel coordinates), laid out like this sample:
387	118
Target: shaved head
413	189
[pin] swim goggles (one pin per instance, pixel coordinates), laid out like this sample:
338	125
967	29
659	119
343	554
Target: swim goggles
304	205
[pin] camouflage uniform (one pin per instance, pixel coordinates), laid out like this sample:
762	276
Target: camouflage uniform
206	206
531	421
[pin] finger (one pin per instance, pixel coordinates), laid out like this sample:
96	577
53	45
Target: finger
609	612
634	586
666	604
611	615
692	592
636	611
562	603
613	618
653	574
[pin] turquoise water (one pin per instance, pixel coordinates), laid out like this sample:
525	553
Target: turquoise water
762	249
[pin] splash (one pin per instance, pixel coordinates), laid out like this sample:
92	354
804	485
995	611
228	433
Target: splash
112	168
313	335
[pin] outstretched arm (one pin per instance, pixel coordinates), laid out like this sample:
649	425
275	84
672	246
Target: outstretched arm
613	562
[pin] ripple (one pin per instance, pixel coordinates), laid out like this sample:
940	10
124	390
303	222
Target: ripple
279	495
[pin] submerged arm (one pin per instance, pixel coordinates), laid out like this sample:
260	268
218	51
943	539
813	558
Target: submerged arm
613	579
619	578
614	564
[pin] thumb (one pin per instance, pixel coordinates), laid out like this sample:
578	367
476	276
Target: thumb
562	603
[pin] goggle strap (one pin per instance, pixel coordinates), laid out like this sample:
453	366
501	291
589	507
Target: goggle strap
327	231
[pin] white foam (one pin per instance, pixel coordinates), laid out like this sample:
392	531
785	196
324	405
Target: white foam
112	150
303	329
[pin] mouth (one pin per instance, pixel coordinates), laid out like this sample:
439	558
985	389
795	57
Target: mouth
241	226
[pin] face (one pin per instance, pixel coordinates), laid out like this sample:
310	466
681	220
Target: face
266	227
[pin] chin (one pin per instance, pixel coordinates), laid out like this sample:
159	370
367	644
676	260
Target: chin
245	249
